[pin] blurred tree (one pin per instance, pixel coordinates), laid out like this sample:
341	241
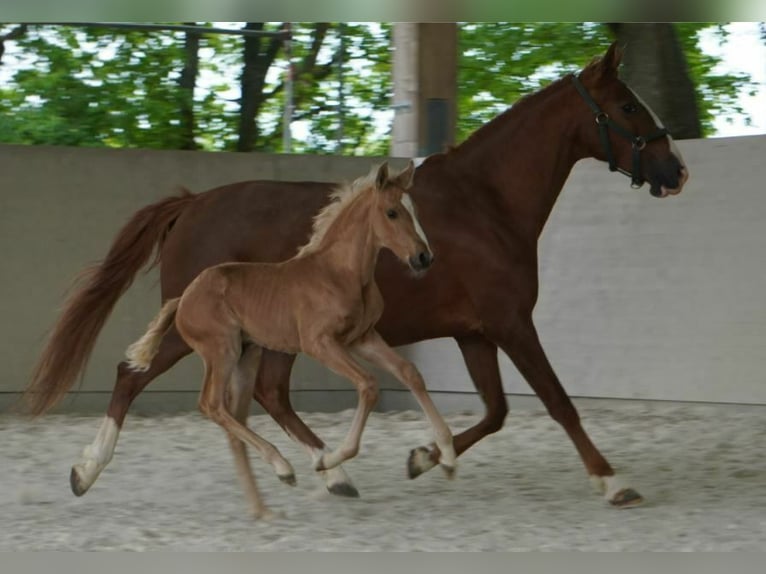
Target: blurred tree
65	85
500	62
654	65
187	82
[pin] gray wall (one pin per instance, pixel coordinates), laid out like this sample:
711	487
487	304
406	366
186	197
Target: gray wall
641	298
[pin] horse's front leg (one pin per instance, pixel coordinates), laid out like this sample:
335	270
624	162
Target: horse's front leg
334	356
373	348
522	344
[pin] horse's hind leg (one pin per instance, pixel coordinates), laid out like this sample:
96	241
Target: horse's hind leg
373	348
240	390
129	385
219	369
272	391
480	357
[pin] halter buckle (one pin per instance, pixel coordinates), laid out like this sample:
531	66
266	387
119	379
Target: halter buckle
639	143
602	118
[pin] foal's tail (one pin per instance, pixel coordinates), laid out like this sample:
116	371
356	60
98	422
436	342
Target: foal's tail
141	353
73	336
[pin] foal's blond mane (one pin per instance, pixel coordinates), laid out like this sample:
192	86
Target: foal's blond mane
340	199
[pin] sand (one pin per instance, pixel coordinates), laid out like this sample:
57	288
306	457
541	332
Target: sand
172	486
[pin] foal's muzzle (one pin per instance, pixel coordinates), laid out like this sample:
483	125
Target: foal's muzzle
421	261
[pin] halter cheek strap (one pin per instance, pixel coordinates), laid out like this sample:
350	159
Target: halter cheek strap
638	143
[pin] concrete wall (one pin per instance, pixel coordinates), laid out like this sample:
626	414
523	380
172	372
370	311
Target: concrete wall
641	298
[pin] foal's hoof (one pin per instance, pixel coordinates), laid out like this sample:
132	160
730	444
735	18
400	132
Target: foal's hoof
420	461
288	479
626	498
75	481
343	489
448	470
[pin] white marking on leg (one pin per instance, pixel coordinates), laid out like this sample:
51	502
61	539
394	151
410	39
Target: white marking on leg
609	486
97	455
410	207
332	476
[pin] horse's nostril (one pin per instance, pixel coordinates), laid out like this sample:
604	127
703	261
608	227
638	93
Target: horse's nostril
425	259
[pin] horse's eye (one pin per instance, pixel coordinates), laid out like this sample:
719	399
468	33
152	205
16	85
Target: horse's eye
630	108
391	214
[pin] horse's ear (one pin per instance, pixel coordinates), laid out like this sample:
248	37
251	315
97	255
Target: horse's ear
611	60
381	179
404	179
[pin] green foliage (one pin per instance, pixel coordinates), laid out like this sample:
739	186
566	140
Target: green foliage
105	87
716	92
500	62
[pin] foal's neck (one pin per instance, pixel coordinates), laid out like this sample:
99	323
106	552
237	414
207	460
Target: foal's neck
349	244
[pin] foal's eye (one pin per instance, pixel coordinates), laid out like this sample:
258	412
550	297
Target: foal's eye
391	214
630	108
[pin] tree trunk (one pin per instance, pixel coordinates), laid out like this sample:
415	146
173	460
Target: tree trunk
14	34
257	61
187	82
654	65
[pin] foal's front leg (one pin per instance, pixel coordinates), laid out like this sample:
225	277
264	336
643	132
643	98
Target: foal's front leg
335	357
373	348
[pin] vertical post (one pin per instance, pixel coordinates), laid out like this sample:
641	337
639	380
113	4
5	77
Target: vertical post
425	88
287	117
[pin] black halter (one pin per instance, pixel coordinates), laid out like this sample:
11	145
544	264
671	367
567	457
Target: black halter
604	122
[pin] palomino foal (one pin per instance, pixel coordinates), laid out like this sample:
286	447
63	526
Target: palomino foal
323	302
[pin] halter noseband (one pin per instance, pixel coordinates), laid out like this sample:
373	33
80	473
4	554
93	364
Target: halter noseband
604	122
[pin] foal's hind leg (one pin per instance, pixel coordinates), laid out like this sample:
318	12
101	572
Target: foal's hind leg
272	391
240	390
129	384
219	368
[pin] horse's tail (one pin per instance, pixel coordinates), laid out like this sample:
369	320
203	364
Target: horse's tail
141	353
72	338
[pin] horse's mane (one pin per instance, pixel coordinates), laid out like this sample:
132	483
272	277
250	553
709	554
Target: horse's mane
340	199
519	108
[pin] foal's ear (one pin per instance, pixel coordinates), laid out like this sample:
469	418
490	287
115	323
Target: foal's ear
404	179
381	179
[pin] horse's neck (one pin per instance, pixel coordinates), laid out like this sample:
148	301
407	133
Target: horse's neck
348	244
526	154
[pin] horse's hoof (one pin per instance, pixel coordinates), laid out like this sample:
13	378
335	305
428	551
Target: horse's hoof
448	470
343	489
78	487
288	479
419	462
626	498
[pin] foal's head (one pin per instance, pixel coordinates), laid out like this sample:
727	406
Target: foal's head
636	143
393	219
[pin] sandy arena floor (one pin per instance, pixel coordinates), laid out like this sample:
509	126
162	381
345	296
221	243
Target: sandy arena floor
172	486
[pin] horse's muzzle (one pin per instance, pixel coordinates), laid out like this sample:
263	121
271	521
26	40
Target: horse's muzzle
421	261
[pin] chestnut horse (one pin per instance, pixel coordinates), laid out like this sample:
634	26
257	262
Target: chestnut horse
323	302
483	204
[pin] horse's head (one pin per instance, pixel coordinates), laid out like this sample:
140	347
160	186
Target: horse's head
622	130
394	221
